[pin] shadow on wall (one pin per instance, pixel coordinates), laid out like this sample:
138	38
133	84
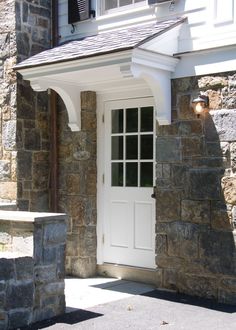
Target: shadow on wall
196	202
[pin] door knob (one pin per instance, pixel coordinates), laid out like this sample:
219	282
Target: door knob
153	195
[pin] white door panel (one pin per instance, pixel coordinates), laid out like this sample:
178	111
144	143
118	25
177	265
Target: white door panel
129	210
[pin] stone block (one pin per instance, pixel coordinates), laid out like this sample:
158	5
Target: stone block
212	82
55	233
219	249
200	286
184	107
20	295
83	267
233	156
24	268
7	270
8	190
39	201
226	297
45	274
190	127
32	139
55	288
192	146
9	135
167	130
169	262
40	175
87	241
19	318
195	211
179	174
5	167
229	189
88	101
24	164
225	123
220	218
182	240
168	205
204	184
229	284
168	150
161	244
215	100
170	279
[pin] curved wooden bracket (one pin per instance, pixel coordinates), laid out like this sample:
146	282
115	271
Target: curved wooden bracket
70	95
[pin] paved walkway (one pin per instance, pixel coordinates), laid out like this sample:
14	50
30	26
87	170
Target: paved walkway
112	304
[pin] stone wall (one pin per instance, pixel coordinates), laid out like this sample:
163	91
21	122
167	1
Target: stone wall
8	185
32	255
77	186
33	28
196	200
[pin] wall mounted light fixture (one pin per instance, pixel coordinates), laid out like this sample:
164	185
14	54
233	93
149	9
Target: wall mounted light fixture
200	104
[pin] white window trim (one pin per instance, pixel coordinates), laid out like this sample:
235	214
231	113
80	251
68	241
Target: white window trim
121	9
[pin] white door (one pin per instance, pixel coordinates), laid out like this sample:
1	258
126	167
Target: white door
129	210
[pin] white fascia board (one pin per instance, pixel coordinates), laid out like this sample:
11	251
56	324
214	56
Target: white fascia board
204	62
154	60
75	65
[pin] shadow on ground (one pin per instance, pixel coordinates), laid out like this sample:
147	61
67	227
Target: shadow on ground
189	300
77	316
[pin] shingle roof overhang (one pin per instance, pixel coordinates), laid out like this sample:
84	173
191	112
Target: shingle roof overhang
101	44
138	53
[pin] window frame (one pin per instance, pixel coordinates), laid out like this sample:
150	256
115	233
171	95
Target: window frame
122	8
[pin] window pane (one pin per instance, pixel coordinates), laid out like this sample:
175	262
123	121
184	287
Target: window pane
132	147
131	120
110	4
117	147
125	2
137	1
117	174
147	119
131	174
146	146
146	170
117	121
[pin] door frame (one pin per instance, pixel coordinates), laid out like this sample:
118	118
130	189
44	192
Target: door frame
102	98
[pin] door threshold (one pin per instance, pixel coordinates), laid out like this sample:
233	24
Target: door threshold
130	273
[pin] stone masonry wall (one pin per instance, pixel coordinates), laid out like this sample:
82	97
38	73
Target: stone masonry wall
33	28
77	187
8	185
196	185
31	267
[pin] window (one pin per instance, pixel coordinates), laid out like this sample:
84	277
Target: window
116	4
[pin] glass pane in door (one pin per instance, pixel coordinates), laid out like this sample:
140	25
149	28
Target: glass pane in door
131	174
117	147
146	147
146	177
131	120
117	121
147	119
117	174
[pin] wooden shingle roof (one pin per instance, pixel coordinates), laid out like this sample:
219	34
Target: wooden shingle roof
100	44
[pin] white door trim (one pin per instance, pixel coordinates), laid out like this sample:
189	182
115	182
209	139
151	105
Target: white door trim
101	100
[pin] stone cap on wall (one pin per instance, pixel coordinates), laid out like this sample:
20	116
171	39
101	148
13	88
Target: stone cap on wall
25	216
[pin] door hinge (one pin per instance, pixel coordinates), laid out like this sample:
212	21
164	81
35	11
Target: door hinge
103	178
103	238
103	118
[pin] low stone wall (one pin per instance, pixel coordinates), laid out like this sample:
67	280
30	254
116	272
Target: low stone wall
32	254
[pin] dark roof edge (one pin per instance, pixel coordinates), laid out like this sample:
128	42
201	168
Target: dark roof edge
30	66
162	32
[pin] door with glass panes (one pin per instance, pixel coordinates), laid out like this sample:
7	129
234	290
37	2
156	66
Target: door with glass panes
129	210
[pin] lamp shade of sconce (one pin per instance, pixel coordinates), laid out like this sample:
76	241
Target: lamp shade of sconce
200	104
